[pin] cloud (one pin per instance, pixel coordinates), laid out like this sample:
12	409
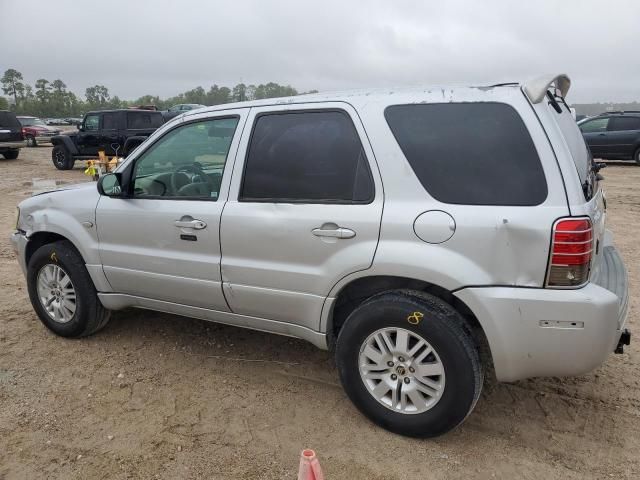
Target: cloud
163	48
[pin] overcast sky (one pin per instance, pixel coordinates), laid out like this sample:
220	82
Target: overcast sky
161	47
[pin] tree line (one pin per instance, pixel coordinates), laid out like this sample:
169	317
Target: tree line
52	98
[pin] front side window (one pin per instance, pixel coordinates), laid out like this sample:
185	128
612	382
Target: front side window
470	153
91	123
306	157
595	125
187	162
620	124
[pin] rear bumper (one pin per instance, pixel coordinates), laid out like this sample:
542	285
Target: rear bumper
43	139
544	332
12	145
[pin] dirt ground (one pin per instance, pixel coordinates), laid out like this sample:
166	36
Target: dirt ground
160	396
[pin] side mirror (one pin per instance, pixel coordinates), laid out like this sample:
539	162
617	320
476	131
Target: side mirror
110	185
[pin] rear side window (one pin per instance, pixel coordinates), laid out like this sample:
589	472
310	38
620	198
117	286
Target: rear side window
141	120
470	153
110	121
307	157
618	124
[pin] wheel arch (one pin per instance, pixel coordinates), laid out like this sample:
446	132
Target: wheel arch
66	142
360	289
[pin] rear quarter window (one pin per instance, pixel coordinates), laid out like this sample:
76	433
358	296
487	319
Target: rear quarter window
143	120
470	153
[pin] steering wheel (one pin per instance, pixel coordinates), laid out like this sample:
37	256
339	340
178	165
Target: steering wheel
180	177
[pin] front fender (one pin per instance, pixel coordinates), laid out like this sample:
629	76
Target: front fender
66	142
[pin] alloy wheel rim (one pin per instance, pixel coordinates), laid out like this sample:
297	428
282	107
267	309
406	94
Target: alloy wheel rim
401	370
56	293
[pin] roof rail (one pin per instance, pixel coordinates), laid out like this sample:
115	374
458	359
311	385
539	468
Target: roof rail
619	111
536	89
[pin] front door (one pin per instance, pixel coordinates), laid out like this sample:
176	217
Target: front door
304	211
163	242
89	136
595	135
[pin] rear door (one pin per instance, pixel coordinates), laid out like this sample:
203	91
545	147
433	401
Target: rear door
303	212
596	135
110	140
623	134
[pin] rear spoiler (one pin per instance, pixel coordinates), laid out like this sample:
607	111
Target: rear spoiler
536	89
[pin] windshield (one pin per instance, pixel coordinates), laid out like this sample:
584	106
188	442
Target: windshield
30	122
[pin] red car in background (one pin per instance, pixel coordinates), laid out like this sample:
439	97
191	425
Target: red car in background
35	131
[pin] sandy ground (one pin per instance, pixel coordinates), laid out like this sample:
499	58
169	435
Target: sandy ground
159	396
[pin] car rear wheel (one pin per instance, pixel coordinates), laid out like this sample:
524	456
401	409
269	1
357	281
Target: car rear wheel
62	293
11	154
61	158
31	141
636	156
408	362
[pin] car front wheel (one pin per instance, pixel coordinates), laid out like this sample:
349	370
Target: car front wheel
31	141
408	362
62	293
61	158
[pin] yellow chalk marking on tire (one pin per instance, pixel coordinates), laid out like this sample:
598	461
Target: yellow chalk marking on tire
415	317
54	257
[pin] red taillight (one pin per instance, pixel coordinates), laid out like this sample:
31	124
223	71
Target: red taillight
571	251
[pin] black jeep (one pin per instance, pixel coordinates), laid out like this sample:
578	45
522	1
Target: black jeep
116	132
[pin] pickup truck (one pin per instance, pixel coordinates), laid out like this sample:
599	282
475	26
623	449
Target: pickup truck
116	132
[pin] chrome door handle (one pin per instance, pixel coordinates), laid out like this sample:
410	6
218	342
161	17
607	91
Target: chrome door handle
195	224
334	232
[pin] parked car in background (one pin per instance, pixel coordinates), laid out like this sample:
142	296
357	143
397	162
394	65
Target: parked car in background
116	132
399	231
35	131
73	121
179	109
11	139
613	135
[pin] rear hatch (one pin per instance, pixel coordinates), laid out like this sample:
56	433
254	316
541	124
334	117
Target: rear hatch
607	268
10	128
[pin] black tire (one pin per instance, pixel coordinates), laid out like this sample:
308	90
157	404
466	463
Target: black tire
636	156
448	334
31	141
61	158
89	316
11	154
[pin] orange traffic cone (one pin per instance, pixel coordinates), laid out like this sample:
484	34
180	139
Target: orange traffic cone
309	466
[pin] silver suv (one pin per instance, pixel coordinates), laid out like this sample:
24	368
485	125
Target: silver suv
405	230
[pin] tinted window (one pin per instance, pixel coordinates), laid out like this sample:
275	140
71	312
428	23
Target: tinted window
312	157
624	123
595	125
470	153
110	121
142	120
187	162
8	120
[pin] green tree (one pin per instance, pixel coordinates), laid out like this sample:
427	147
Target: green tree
97	96
12	84
239	93
42	90
4	103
